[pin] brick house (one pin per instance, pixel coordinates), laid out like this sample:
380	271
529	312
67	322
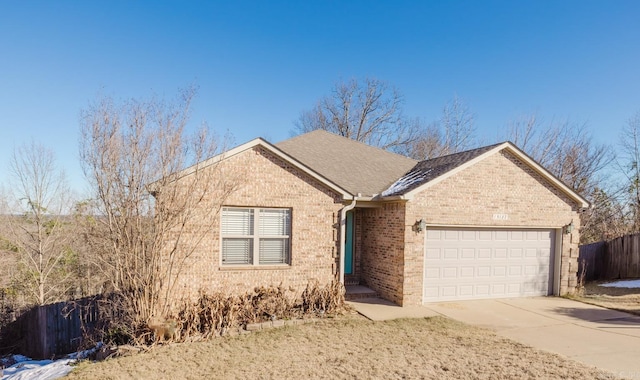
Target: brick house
486	223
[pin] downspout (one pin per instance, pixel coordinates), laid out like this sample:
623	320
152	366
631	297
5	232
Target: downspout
343	239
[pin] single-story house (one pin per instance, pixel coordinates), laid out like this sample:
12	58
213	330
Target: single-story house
485	223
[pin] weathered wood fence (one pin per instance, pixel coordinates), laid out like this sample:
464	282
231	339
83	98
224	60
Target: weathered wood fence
50	330
610	260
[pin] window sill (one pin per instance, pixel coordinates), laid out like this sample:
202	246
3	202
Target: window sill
253	267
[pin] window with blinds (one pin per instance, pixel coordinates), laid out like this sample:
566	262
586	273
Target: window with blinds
255	236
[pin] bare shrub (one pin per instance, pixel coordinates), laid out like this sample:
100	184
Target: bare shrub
323	299
581	278
9	308
151	211
103	319
208	316
267	303
214	314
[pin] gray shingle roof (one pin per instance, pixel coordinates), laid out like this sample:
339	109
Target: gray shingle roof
354	166
428	170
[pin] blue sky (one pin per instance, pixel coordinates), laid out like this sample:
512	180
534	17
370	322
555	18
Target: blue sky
258	64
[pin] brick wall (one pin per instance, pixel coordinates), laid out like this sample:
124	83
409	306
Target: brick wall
499	184
389	254
383	247
264	180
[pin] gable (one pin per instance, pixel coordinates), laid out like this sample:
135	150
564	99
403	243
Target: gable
498	191
272	150
265	179
430	172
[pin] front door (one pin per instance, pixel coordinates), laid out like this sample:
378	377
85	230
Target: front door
348	246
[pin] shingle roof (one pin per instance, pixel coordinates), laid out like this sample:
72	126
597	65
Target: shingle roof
354	166
428	170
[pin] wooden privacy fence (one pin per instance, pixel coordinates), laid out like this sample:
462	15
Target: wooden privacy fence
50	330
611	260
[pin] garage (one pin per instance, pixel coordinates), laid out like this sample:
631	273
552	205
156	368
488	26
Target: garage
480	224
466	263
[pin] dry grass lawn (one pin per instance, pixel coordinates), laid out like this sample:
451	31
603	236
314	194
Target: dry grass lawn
623	299
347	348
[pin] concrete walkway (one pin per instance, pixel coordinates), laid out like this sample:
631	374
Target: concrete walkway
593	335
377	309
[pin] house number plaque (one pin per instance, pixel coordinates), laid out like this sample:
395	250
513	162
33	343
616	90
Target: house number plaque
500	216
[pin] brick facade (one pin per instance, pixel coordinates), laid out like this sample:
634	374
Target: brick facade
392	253
383	249
265	180
389	254
499	184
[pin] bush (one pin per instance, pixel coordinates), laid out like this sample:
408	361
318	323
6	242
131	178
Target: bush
328	299
214	314
210	315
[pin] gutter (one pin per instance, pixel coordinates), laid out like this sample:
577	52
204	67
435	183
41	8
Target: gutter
343	225
402	197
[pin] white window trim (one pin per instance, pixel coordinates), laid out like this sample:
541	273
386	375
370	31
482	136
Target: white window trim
255	237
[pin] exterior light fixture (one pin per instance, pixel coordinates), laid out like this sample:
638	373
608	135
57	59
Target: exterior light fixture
419	225
568	228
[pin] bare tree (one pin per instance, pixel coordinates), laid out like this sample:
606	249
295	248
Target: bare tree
458	124
522	132
629	165
38	228
152	214
567	150
454	132
427	144
605	219
369	111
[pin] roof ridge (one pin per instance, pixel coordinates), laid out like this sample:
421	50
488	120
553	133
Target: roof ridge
354	165
467	151
353	141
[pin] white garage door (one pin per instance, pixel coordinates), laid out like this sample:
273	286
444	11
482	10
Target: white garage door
472	264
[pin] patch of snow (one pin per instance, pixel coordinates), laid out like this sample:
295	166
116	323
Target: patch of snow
38	369
85	354
404	183
623	284
26	369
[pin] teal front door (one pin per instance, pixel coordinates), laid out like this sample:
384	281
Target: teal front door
348	246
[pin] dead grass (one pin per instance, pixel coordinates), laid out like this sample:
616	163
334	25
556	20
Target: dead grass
623	299
347	348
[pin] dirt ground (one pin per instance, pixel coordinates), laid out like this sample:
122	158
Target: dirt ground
623	299
348	347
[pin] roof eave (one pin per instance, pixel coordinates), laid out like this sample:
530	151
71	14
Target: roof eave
399	197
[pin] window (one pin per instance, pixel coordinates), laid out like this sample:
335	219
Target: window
255	236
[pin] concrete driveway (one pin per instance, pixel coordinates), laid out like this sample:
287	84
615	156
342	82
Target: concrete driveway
593	335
